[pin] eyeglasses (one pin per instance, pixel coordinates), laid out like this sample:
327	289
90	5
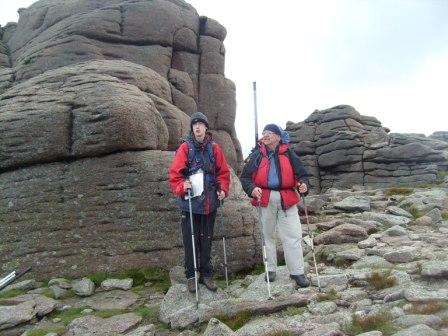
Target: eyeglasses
267	133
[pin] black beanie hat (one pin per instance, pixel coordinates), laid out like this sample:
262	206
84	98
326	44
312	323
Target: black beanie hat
198	117
273	128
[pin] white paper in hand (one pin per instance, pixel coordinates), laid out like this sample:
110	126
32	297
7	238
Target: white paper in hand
197	184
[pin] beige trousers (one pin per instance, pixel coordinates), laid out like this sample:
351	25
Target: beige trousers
287	222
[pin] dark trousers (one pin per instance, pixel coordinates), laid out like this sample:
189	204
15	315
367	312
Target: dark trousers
203	236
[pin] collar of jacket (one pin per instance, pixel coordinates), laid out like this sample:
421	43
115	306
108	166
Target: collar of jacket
208	138
281	149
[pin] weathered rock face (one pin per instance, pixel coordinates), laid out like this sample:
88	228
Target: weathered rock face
166	36
107	213
94	97
342	148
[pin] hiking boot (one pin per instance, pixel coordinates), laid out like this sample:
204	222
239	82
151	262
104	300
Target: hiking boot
300	280
209	283
191	285
271	276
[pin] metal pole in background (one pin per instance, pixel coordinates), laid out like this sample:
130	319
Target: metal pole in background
255	112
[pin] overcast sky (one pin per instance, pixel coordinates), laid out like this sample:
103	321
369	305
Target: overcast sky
387	58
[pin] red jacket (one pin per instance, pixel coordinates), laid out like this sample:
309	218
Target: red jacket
179	167
287	178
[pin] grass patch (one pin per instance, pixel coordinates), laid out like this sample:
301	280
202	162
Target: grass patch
441	174
330	296
402	191
148	313
444	323
106	313
415	212
237	321
427	308
11	293
381	280
292	311
359	325
341	262
67	315
98	277
445	214
45	331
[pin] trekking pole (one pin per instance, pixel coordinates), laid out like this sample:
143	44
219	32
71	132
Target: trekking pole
11	277
224	244
311	243
255	112
265	259
194	249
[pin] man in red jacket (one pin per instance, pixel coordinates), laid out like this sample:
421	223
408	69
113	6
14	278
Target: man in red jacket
271	177
199	154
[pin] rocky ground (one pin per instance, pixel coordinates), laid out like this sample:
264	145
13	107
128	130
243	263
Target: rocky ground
383	270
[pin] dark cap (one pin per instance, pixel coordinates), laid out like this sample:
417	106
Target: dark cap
273	128
198	117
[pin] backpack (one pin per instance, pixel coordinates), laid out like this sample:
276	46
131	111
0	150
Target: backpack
191	156
257	160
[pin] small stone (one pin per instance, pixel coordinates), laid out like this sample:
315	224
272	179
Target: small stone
58	292
83	287
60	282
369	242
395	231
110	284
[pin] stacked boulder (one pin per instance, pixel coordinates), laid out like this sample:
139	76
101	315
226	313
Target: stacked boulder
342	148
94	98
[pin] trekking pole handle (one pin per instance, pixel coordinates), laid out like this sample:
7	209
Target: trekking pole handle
189	189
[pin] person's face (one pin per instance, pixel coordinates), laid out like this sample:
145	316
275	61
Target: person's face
270	139
199	129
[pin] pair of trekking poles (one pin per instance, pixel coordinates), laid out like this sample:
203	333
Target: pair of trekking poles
196	273
11	277
307	239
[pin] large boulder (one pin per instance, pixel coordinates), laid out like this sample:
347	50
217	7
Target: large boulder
94	98
341	148
67	212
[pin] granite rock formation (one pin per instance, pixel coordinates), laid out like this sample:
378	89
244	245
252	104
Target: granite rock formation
341	148
94	97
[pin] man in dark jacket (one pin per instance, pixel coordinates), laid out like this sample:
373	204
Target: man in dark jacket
271	177
199	154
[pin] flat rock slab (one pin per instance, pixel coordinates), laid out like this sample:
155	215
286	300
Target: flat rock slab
11	316
419	329
258	289
421	294
435	269
115	299
96	326
354	203
233	307
179	309
386	219
43	305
